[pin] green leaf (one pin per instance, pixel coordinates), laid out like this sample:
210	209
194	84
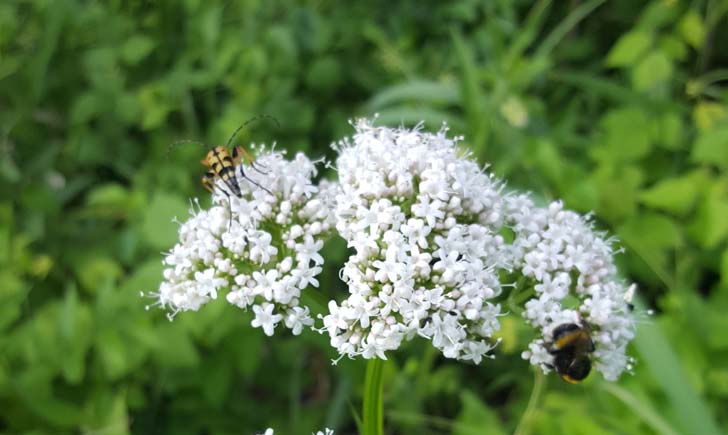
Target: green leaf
618	188
474	416
75	326
710	226
652	236
111	194
9	169
651	71
249	342
137	48
640	407
707	114
408	116
415	90
668	131
673	47
716	320
629	48
157	226
626	135
96	270
651	231
112	351
675	195
146	277
108	413
324	75
85	107
692	29
711	147
14	293
657	353
155	104
174	347
724	268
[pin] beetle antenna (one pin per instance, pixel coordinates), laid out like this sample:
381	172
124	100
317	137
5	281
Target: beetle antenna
253	119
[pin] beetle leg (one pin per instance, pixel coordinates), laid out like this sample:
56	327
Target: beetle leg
240	151
251	181
208	182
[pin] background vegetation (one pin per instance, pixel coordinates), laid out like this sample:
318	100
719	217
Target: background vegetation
618	107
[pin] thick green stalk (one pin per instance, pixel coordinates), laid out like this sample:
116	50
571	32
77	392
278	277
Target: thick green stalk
373	408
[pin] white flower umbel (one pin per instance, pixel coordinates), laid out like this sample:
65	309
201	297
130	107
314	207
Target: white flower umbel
571	269
262	248
423	221
326	431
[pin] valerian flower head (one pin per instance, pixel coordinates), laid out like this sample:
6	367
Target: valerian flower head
423	221
563	256
326	431
427	227
262	248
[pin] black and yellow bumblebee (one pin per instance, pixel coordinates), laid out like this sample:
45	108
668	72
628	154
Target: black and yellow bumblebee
571	347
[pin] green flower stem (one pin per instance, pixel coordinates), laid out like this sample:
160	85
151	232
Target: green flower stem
524	426
373	407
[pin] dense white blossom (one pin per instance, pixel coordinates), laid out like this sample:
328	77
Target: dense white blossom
423	221
438	245
262	248
426	225
326	431
562	256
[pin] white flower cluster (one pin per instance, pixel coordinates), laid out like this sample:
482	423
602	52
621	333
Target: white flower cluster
326	431
423	223
564	258
263	247
435	243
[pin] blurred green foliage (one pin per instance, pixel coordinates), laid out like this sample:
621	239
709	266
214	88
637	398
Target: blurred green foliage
617	107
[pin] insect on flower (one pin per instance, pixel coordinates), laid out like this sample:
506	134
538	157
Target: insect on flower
571	347
221	165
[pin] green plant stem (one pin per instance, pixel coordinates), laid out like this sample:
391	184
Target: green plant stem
373	407
539	380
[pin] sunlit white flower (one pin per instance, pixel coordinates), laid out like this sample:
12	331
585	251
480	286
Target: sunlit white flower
262	248
423	221
427	224
563	256
264	318
326	431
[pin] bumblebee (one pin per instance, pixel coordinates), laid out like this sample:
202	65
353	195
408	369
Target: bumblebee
571	345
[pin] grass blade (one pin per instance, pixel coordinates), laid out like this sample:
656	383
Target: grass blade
691	410
471	94
565	26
